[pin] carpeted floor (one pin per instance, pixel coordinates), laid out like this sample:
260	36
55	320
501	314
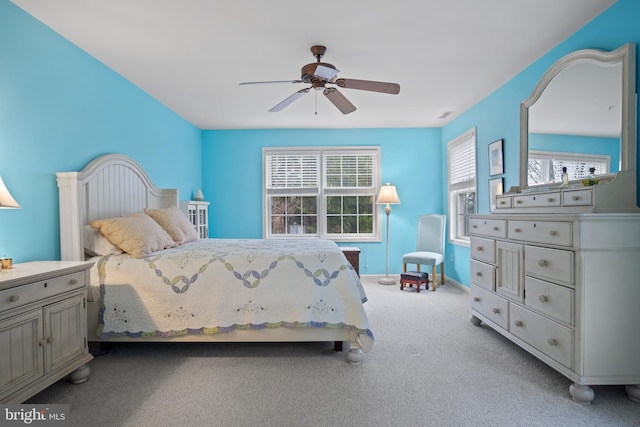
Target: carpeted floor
429	367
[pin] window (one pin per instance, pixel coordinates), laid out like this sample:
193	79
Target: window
325	192
546	167
461	153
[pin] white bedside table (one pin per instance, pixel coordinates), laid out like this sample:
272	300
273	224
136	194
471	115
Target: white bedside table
43	326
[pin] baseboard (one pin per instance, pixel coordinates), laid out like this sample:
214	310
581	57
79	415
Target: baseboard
396	277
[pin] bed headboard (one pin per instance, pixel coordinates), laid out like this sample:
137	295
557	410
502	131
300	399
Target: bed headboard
111	185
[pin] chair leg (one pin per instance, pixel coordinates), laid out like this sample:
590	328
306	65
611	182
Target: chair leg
404	267
434	281
442	273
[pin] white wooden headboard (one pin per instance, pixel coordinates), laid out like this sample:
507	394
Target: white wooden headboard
111	185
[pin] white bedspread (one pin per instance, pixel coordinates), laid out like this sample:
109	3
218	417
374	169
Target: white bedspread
218	285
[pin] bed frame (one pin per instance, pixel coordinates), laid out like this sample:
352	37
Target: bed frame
114	185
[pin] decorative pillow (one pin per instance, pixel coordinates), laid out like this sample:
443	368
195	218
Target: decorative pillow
174	222
95	244
137	234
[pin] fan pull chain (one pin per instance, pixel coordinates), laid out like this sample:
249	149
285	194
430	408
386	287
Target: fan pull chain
316	100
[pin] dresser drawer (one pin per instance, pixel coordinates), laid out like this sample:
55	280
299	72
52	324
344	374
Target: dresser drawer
483	275
550	299
537	200
554	265
21	295
578	197
547	336
549	232
483	249
488	227
503	202
490	305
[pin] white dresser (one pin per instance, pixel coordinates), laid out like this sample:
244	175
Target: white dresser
43	326
563	286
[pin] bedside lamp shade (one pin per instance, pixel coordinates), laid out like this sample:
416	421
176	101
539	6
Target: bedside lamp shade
6	200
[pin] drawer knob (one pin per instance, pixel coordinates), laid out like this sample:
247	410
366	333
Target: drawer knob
502	202
49	340
474	226
542	263
73	281
543	298
480	248
518	323
550	199
496	228
478	274
553	233
576	198
519	201
42	343
552	341
476	299
14	298
517	230
496	310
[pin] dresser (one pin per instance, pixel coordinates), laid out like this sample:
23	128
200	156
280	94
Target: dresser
563	285
198	214
43	326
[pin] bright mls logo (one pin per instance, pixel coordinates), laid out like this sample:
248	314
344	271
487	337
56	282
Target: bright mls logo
36	415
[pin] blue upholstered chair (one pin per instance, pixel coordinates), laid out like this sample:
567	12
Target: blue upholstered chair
429	247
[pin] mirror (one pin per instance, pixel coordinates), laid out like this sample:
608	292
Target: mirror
581	115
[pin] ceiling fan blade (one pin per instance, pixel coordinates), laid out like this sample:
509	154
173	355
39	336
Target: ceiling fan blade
339	100
272	81
383	87
289	100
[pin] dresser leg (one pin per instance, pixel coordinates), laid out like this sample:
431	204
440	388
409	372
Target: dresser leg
633	391
475	321
80	375
581	393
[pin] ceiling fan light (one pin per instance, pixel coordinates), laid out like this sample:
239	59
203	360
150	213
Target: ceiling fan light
325	73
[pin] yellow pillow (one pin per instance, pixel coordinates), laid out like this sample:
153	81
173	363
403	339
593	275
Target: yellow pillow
137	234
174	222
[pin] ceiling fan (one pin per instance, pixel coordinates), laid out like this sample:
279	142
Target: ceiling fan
321	74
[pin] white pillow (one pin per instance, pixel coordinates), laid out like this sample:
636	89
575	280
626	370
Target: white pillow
137	234
95	244
174	222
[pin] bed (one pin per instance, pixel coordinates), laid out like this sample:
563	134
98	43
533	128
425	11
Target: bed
199	290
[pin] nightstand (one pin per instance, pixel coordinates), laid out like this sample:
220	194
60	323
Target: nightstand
43	326
353	256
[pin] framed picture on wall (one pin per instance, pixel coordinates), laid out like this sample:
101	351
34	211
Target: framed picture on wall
496	164
495	189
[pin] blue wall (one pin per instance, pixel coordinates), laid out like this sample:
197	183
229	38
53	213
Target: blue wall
60	108
411	160
497	116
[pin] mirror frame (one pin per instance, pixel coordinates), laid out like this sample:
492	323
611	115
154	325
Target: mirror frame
625	54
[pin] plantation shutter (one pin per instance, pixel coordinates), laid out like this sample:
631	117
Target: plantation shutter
462	162
292	172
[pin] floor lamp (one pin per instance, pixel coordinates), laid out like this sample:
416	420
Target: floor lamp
388	196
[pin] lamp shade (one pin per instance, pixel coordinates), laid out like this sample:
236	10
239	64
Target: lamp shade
6	200
388	195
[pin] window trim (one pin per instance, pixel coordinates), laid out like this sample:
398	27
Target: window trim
322	193
454	189
549	156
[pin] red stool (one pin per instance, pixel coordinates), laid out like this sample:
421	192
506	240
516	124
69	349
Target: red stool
414	278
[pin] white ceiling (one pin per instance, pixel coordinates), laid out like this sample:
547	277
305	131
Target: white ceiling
191	55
